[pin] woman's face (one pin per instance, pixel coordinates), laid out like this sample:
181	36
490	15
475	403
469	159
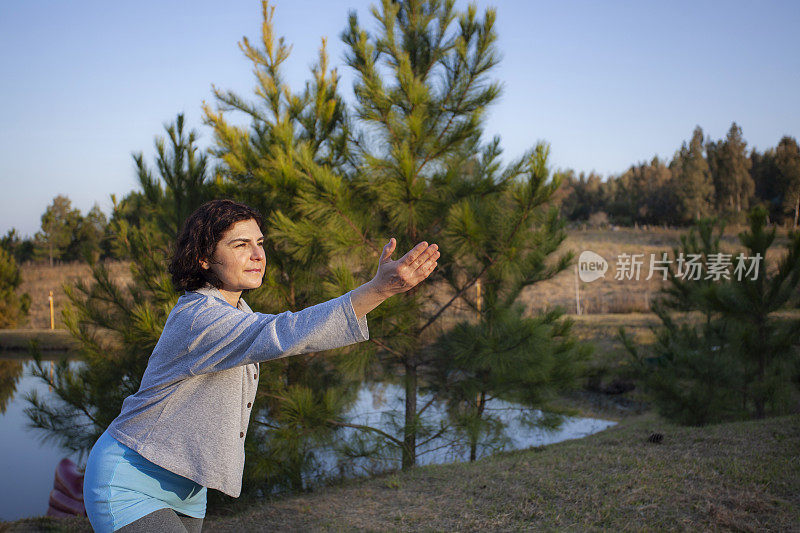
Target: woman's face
238	260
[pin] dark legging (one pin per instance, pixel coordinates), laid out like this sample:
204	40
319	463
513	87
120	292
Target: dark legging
166	520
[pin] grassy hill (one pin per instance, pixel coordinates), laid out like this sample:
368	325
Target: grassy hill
742	476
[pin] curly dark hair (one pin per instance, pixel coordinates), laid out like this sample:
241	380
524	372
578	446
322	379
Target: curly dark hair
199	237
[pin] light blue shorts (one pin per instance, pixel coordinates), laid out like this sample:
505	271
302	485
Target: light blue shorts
121	486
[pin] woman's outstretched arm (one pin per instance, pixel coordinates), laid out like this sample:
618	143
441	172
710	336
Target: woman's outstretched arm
394	277
205	334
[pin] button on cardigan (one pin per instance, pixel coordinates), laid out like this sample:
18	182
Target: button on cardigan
191	412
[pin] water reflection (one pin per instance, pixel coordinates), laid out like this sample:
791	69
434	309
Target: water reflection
380	405
10	372
28	464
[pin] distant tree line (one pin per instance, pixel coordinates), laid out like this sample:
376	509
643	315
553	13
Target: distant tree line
704	178
65	234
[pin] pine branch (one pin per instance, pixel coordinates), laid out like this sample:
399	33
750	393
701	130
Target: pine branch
389	437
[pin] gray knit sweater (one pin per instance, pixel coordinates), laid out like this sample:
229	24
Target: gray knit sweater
191	412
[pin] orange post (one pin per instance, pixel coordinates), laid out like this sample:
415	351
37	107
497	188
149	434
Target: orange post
478	289
52	316
478	302
52	326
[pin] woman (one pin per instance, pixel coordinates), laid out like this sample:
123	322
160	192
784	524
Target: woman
184	429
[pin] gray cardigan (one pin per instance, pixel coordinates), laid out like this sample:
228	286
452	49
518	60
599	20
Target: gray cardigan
191	412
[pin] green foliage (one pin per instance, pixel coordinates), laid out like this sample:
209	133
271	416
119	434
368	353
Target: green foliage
724	182
60	222
738	360
294	422
730	172
582	196
693	184
21	249
13	307
645	194
787	163
91	235
767	183
10	374
502	240
504	356
68	235
422	88
181	185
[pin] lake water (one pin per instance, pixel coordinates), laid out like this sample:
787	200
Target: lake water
378	402
28	465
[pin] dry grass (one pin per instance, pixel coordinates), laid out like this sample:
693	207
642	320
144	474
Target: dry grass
609	295
742	476
39	279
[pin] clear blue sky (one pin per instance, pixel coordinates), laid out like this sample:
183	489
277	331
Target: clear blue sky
86	83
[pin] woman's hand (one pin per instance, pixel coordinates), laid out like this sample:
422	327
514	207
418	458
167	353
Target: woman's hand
394	277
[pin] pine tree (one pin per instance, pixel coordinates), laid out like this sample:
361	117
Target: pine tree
730	171
13	306
787	161
87	243
739	165
60	222
422	88
181	186
724	186
645	194
738	360
582	196
691	374
693	183
766	178
21	250
503	239
764	342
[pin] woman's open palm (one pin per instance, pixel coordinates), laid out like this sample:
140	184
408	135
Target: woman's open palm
394	277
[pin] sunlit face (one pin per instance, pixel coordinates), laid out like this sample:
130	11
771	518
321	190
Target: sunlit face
238	260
